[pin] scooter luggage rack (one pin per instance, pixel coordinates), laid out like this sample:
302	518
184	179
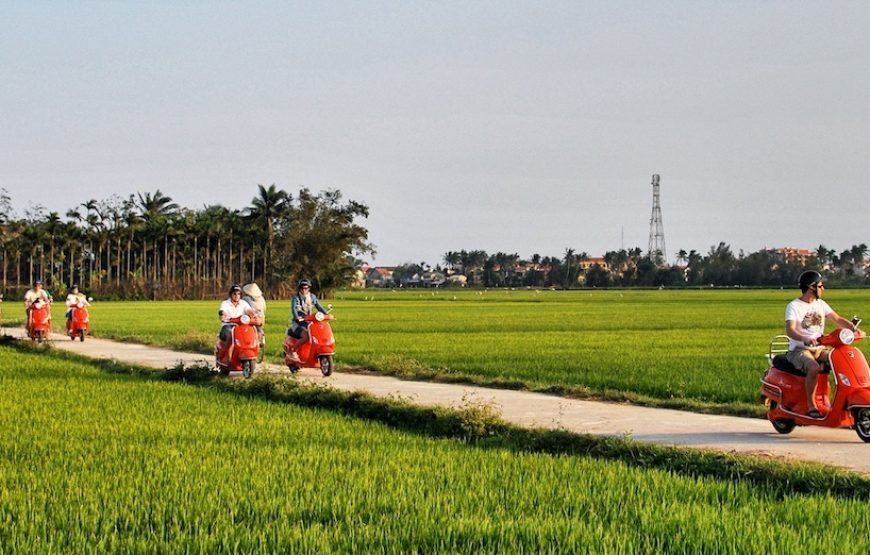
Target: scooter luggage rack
778	346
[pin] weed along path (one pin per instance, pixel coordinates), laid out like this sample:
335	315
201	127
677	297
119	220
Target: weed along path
840	448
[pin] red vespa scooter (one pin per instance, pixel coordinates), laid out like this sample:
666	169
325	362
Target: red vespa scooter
79	324
39	320
783	389
240	351
318	351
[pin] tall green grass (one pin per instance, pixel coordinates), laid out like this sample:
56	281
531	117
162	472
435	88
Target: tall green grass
98	462
701	350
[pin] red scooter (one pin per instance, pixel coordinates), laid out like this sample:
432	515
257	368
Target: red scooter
39	320
783	389
240	351
79	323
318	351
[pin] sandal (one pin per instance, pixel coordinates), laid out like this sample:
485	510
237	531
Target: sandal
814	413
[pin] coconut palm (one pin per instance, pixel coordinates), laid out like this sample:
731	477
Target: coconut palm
266	209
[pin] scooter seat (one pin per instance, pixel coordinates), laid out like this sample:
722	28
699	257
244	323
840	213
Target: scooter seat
780	362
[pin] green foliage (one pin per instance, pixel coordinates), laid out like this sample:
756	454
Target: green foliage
99	462
699	350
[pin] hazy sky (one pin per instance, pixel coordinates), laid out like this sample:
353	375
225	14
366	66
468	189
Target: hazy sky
526	127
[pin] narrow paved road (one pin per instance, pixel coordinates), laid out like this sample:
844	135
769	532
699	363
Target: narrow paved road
670	427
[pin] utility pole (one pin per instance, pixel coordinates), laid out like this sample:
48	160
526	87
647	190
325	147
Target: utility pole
656	251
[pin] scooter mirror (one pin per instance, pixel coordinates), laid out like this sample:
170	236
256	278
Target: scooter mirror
90	299
329	307
847	337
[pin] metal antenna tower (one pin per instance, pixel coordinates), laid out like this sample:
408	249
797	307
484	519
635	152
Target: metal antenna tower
656	249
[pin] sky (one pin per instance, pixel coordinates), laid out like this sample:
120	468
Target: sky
521	127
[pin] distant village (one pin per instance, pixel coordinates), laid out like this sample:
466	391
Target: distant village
719	267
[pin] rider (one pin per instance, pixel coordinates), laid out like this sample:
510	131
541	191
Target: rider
233	307
254	297
804	325
74	298
35	294
301	306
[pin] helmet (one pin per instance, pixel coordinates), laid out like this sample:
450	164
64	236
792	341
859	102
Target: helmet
236	287
253	290
303	283
809	279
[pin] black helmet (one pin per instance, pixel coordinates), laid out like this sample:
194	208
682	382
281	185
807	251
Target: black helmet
234	288
809	279
303	283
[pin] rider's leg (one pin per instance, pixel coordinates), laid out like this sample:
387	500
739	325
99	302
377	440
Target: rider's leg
813	369
303	337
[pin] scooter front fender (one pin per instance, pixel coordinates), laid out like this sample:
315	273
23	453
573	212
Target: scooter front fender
858	398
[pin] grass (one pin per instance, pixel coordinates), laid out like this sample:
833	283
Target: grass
93	461
689	349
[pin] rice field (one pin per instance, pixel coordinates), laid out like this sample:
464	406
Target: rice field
687	348
94	462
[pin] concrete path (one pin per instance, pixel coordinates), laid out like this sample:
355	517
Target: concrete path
840	448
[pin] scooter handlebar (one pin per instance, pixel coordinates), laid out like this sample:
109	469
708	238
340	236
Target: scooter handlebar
252	320
317	317
841	336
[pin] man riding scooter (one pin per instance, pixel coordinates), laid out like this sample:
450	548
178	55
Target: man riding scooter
74	298
35	294
805	324
303	302
233	307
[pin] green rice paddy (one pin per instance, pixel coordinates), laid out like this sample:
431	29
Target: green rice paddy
94	462
702	350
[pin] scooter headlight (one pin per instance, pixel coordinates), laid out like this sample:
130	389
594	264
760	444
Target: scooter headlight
319	316
847	337
245	319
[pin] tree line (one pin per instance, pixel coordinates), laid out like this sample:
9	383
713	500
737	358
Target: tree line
719	267
147	246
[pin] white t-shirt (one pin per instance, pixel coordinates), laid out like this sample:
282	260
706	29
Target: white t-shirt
810	318
231	310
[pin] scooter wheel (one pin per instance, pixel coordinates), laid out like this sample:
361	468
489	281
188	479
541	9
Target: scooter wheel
248	368
862	423
82	335
293	369
781	426
326	365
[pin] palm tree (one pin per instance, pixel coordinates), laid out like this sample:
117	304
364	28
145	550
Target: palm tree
568	262
155	211
452	259
266	208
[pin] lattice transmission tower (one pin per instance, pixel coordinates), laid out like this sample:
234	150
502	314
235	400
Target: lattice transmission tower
656	251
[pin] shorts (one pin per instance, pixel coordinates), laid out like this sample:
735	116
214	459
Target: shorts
296	331
802	358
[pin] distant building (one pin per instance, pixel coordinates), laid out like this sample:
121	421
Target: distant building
792	255
381	276
590	261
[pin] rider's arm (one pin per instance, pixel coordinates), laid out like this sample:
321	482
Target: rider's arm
840	321
224	312
296	309
793	330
